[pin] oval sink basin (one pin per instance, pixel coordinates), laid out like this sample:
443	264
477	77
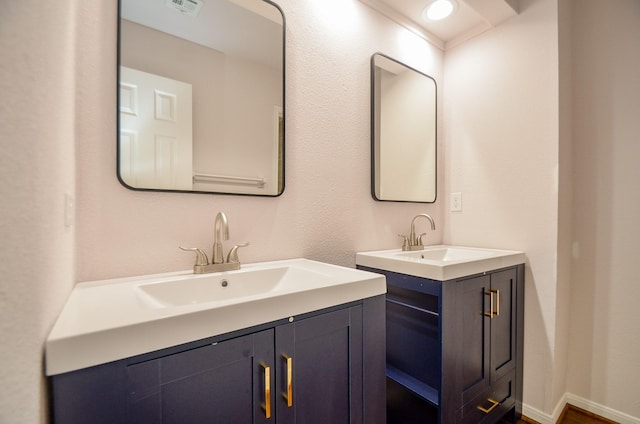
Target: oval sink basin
441	262
220	287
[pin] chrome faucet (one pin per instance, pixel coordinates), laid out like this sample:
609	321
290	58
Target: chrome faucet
202	265
414	242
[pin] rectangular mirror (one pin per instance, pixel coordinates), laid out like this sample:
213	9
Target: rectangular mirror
403	132
201	96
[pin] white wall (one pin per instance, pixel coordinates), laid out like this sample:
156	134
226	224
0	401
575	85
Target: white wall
565	205
501	152
605	314
37	118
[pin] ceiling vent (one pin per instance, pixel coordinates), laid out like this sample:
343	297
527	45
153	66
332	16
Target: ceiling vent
186	7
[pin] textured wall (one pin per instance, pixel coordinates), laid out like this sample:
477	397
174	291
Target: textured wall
36	171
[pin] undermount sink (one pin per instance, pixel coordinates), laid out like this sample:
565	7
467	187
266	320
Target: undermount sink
221	287
441	262
107	320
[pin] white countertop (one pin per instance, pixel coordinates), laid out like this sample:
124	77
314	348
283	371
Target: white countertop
108	320
441	262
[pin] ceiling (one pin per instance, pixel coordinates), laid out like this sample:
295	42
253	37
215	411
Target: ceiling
470	18
246	29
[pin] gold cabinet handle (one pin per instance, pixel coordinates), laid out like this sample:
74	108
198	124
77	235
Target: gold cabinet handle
493	312
288	395
494	405
266	406
490	313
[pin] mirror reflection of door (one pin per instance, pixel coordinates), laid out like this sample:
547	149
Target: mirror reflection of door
155	131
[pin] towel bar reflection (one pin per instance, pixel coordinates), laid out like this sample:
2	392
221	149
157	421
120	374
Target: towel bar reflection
229	179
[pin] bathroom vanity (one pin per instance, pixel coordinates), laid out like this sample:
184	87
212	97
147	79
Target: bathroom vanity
308	348
454	333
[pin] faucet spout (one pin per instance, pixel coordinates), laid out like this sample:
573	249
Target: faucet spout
415	242
221	232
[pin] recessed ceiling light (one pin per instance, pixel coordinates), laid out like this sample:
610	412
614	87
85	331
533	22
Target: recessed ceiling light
439	9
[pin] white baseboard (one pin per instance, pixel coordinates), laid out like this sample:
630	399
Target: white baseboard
580	402
537	415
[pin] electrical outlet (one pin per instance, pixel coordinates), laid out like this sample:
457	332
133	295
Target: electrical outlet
456	202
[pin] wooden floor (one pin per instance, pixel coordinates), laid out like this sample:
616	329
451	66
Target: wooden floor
574	415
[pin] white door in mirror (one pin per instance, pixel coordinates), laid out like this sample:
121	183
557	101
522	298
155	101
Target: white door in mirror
155	131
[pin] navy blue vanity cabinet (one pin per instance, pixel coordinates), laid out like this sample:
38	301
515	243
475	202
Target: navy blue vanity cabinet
454	348
322	367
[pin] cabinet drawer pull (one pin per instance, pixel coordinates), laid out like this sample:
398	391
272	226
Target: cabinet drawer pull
288	395
267	390
494	405
497	302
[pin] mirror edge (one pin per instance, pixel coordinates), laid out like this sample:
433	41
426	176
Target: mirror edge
284	116
373	133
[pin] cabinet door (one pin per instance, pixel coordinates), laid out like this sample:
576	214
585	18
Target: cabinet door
488	356
321	357
503	324
219	383
475	332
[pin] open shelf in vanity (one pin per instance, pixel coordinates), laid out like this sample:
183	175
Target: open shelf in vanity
413	339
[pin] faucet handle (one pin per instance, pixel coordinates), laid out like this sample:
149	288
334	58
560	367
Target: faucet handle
405	242
420	238
201	257
232	256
